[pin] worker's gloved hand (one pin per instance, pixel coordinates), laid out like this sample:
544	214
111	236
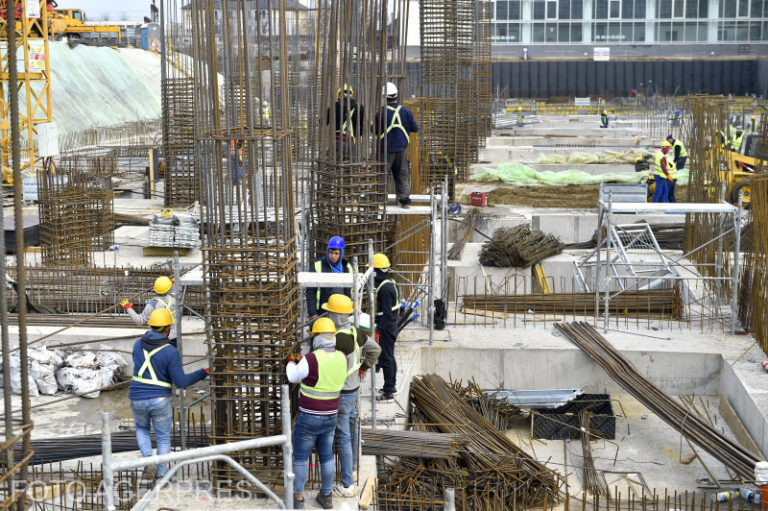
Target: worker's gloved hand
670	179
377	336
126	304
361	372
293	357
207	370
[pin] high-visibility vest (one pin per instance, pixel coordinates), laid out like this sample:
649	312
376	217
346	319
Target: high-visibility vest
347	127
396	306
736	142
520	119
266	112
319	269
147	366
657	164
604	121
683	152
332	373
396	123
169	303
671	167
356	354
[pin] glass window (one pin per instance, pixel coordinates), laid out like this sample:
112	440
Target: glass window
754	31
577	10
601	30
615	9
502	10
765	31
743	8
692	8
601	9
640	11
551	32
552	10
627	9
514	10
564	12
538	32
757	9
703	9
727	8
562	32
576	32
678	8
664	8
539	9
513	31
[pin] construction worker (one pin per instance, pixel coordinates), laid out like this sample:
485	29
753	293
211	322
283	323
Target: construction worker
387	312
162	300
322	374
737	140
753	124
266	112
678	152
156	368
395	136
348	115
676	118
520	118
604	119
362	352
661	173
332	262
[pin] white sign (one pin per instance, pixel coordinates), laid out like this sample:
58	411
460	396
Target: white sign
602	53
36	54
47	140
32	8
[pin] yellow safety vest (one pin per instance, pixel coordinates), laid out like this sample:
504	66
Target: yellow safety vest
169	303
347	127
736	142
396	306
356	354
604	120
657	165
147	366
671	168
332	373
683	152
266	112
396	123
319	269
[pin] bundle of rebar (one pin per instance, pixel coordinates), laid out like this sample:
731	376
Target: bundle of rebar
594	481
644	303
248	214
414	444
518	247
664	406
467	227
496	410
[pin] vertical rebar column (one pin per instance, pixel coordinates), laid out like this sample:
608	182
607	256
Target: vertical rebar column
249	250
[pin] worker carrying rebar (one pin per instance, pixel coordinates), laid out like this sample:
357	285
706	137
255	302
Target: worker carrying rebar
157	367
348	117
387	312
322	374
332	262
678	151
604	119
520	118
395	136
737	140
661	173
362	353
162	300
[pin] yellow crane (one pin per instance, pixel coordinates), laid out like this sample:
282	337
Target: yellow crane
33	82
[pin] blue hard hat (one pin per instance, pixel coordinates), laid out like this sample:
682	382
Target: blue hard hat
336	242
677	112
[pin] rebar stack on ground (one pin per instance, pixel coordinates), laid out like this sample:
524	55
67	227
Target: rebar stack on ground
491	472
75	211
467	229
247	212
665	407
518	247
347	181
664	303
413	444
182	184
594	480
498	411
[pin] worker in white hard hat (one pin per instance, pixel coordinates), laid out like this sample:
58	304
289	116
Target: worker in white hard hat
162	300
394	125
348	117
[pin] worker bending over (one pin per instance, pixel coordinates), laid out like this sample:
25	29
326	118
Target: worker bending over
322	374
387	312
394	125
162	300
332	262
362	352
156	368
661	173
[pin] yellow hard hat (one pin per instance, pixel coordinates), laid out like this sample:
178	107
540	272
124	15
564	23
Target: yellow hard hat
605	111
346	89
519	109
666	144
160	317
163	285
323	326
340	304
754	117
381	261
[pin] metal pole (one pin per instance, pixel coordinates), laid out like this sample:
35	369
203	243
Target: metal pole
431	270
356	300
597	264
608	241
449	497
372	312
6	343
106	454
444	241
736	256
177	300
288	475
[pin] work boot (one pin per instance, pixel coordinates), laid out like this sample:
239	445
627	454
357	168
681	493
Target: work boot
385	396
298	503
405	205
149	473
325	501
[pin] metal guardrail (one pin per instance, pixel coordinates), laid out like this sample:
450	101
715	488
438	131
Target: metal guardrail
203	454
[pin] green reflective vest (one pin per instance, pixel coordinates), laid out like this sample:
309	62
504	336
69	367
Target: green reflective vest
603	121
147	366
319	269
169	303
683	152
332	373
736	143
356	354
396	123
657	170
396	306
347	128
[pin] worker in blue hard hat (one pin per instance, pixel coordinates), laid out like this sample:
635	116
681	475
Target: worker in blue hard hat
332	262
676	118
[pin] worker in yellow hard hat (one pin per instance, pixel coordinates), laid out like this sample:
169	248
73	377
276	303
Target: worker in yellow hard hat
162	300
362	353
348	117
157	368
604	119
520	118
387	313
662	173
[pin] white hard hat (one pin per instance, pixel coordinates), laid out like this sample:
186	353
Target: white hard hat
264	102
391	90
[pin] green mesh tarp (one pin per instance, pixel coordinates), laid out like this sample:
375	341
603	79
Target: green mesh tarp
100	86
521	175
606	156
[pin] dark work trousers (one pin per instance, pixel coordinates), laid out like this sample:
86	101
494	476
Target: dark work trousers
671	190
397	165
387	362
345	148
680	162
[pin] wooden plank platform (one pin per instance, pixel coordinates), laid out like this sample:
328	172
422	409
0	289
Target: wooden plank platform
164	251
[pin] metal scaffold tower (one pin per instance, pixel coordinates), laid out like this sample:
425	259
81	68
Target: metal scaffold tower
33	83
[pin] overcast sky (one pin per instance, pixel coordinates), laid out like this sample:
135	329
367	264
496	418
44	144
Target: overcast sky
116	10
